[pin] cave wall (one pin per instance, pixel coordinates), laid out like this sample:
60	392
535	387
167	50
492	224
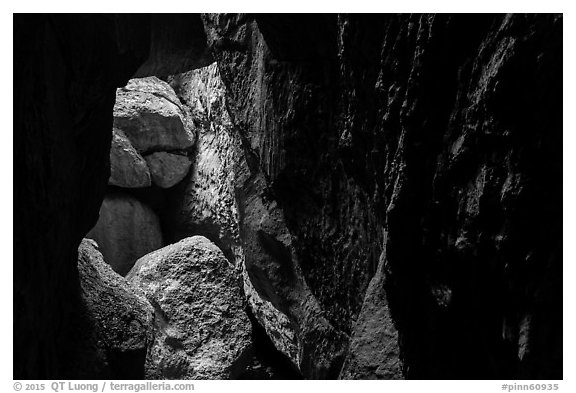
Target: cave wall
66	71
436	135
408	161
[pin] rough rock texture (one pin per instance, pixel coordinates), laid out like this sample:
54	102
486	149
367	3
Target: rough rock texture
207	204
441	133
150	114
66	71
127	229
121	320
374	352
127	167
202	329
167	169
272	258
177	44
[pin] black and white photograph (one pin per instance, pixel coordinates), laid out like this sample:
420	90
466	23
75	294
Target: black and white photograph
287	196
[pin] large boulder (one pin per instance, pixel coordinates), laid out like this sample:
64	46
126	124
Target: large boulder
127	167
203	331
150	114
126	230
119	319
167	169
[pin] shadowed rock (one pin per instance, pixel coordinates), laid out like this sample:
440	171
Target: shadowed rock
150	114
443	131
128	168
126	230
118	316
206	204
374	352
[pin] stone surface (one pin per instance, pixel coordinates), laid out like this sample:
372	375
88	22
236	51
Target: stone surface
167	169
127	167
121	319
374	352
66	71
126	230
451	152
207	205
203	331
150	114
442	131
177	44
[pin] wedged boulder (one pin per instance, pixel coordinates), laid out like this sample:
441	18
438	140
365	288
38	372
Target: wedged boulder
203	331
128	168
126	230
118	317
374	352
150	114
167	169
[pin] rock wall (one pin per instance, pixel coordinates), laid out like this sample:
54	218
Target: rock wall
397	182
204	204
126	230
153	136
117	325
208	204
66	71
439	136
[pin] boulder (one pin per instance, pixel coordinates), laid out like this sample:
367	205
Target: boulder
167	169
118	316
275	323
203	331
128	168
150	114
126	230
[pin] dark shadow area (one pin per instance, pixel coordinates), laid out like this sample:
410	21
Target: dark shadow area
267	361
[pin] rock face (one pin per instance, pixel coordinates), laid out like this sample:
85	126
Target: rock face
65	76
177	44
127	229
202	329
207	203
66	71
150	114
128	168
435	139
167	169
122	320
374	352
364	130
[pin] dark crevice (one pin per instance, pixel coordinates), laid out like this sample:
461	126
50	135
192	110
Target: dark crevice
267	362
